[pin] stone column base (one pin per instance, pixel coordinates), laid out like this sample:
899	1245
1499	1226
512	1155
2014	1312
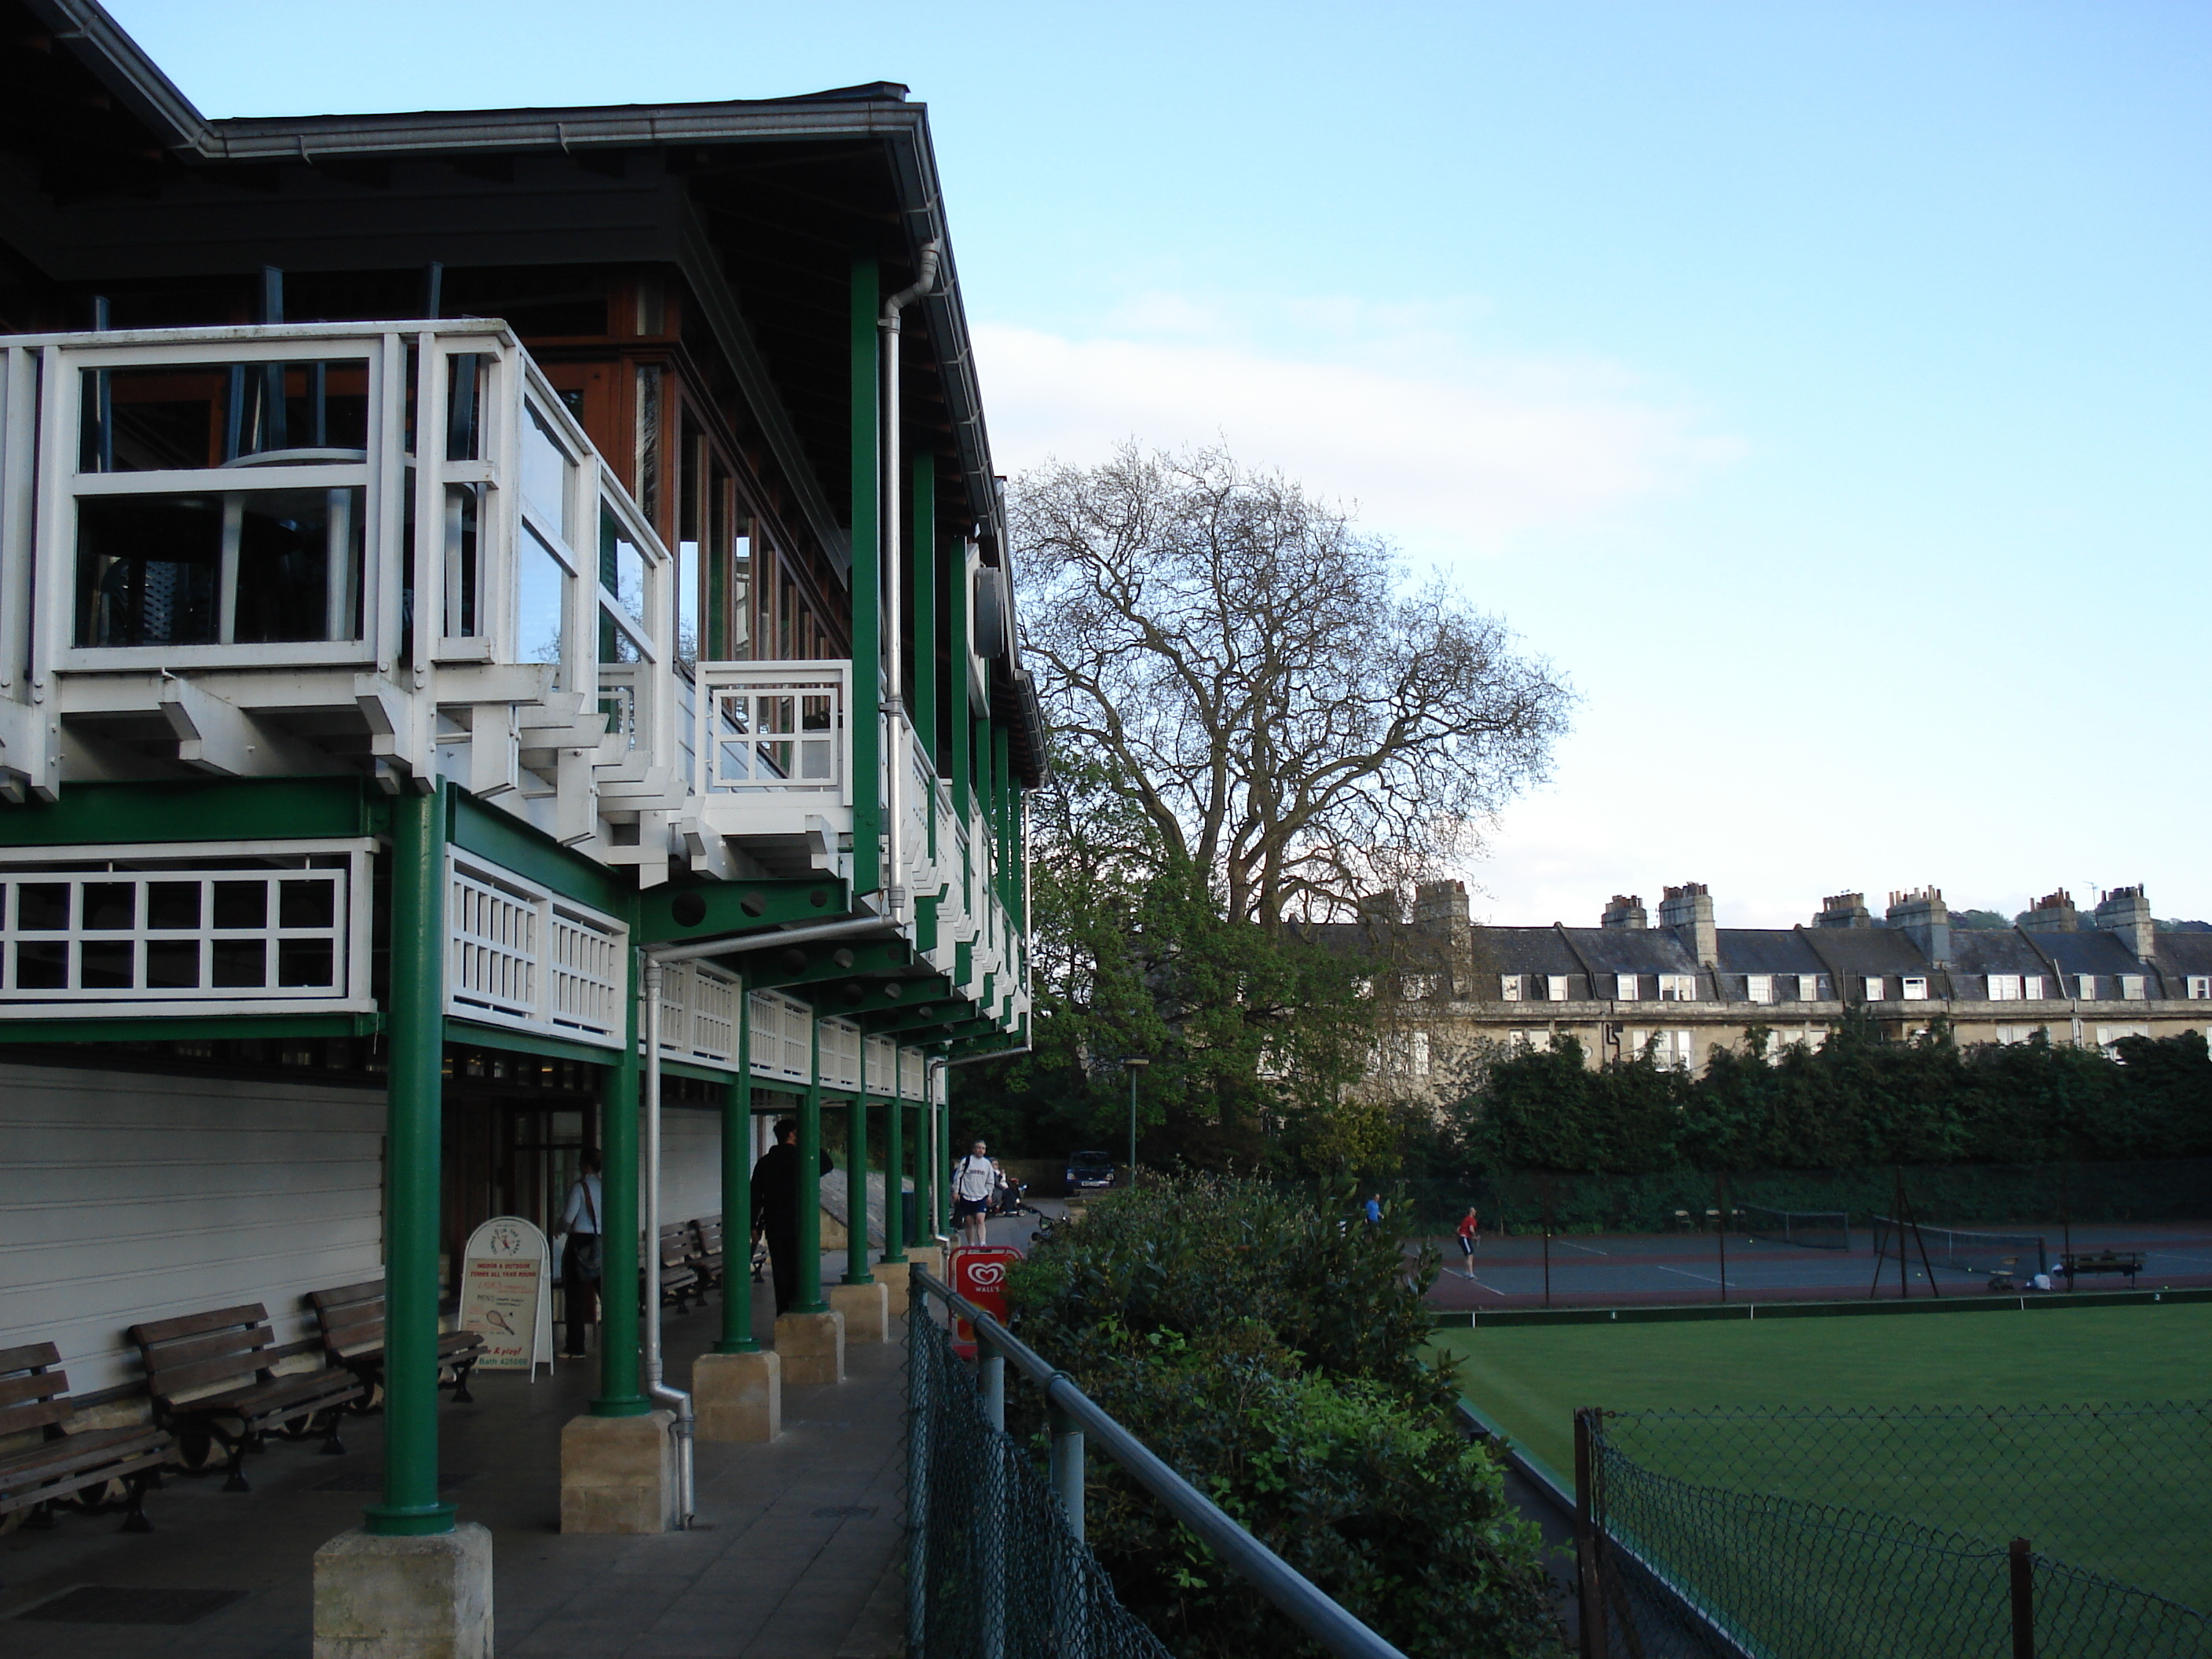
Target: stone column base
893	1277
812	1346
739	1396
866	1310
404	1598
617	1474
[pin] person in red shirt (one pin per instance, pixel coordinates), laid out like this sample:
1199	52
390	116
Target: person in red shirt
1470	1229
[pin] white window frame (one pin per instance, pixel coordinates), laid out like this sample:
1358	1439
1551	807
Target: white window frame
2005	987
1678	987
2200	987
1508	987
1557	987
1912	987
1759	987
2085	986
1871	986
2031	988
2134	988
1809	988
351	934
1625	987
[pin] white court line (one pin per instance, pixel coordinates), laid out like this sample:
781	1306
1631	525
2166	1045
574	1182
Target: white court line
1582	1247
1687	1273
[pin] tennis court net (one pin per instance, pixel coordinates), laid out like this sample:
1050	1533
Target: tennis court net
1816	1230
2018	1254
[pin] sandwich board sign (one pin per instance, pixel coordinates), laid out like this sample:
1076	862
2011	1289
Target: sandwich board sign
506	1295
979	1273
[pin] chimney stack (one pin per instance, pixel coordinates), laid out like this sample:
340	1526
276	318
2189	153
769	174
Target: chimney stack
1921	916
2125	912
1441	902
1626	910
1844	910
1689	909
2054	912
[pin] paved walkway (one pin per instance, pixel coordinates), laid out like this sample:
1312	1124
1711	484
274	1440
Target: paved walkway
794	1558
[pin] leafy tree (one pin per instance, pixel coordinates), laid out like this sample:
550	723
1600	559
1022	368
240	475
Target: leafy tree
1268	1347
1253	676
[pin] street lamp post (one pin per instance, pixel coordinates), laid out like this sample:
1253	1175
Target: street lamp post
1134	1064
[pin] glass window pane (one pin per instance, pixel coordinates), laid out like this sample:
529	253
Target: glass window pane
172	904
240	963
106	965
307	904
110	905
687	603
540	595
622	567
241	904
147	568
463	513
42	964
172	964
545	468
42	906
291	545
170	416
303	962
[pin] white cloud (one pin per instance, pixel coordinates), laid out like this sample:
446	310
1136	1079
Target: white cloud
1387	408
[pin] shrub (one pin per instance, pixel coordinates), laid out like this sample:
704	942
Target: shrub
1269	1348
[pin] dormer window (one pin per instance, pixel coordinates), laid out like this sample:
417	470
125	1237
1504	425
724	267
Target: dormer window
1809	988
1555	987
2086	987
1915	988
1759	987
2030	986
1624	988
1678	987
2005	987
1871	986
2200	987
1508	987
2133	988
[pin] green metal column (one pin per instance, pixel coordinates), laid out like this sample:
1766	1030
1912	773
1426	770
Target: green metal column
620	1394
895	1204
738	1193
867	578
856	1183
418	1024
809	1297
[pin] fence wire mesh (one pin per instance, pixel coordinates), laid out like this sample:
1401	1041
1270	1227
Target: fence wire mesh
1838	1534
995	1570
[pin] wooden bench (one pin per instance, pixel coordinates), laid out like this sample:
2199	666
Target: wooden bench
351	1320
2130	1262
707	1250
212	1380
34	1395
679	1279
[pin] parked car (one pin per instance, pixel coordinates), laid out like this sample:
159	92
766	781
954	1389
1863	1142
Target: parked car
1086	1170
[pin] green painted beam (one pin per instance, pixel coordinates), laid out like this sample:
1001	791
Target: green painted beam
841	1000
527	1043
505	840
704	910
205	809
188	1027
830	959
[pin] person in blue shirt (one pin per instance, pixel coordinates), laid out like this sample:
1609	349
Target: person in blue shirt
1374	1210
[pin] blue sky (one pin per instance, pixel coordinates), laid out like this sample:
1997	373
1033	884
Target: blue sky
1826	389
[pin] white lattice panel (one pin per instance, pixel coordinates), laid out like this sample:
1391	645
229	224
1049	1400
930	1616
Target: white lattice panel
524	956
711	1015
913	1071
781	1045
882	1056
841	1054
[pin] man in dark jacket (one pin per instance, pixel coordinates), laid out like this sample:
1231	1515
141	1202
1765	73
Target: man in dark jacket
776	1208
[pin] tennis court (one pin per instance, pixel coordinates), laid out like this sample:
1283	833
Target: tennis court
1797	1258
2130	1496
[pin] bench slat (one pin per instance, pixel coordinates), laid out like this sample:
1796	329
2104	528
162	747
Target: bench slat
30	1357
21	1419
163	1330
344	1295
77	1451
56	1484
240	1344
39	1385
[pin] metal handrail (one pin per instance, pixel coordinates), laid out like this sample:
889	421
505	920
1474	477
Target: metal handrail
1293	1594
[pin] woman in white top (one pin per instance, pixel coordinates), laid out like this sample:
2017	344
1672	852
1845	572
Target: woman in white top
581	1261
973	1179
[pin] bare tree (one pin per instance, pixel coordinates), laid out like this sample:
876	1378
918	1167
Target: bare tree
1291	718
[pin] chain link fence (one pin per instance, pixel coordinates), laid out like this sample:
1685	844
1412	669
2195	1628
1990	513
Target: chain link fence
1002	1574
1815	1534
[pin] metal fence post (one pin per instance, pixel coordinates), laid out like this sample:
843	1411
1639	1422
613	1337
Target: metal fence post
2023	1601
1589	1598
991	1376
1066	1466
920	1358
1070	1621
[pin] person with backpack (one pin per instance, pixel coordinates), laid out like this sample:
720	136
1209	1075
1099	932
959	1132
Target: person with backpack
581	1261
777	1205
975	1180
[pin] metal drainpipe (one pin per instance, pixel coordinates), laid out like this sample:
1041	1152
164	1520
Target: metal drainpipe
893	614
675	1398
